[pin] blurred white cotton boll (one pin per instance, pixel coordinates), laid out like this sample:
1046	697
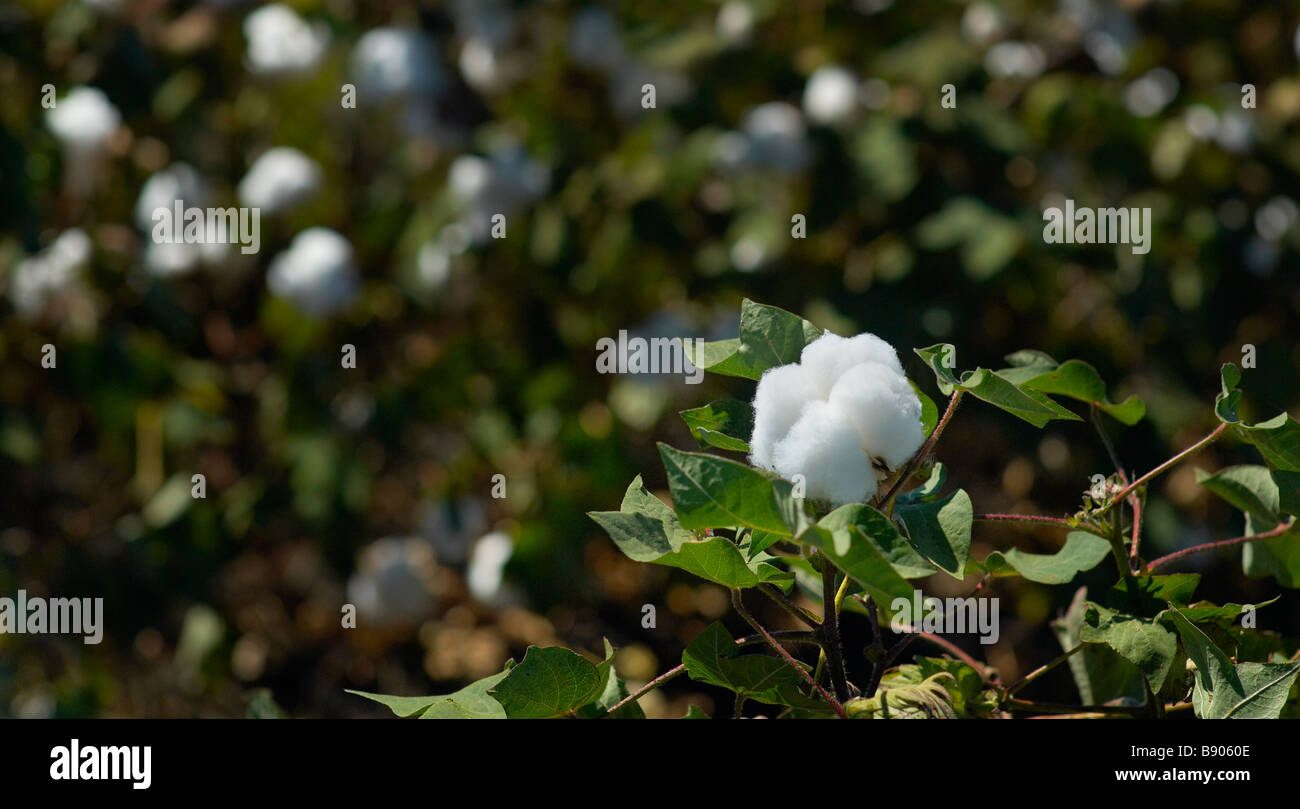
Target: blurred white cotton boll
83	119
883	408
1235	132
279	180
776	137
831	96
735	22
501	183
316	273
39	278
1152	92
396	63
280	43
179	181
393	581
487	562
433	264
779	400
982	23
828	357
822	446
1015	59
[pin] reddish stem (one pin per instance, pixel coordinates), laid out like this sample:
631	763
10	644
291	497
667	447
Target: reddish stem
1223	543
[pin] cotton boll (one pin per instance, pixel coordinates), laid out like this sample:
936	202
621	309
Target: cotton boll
282	43
883	409
392	585
41	277
279	180
831	96
178	181
782	394
316	273
487	562
829	356
83	119
777	137
396	63
822	446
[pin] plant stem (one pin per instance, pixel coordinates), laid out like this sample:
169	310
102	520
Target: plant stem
924	451
1020	518
831	630
771	641
1105	441
789	606
1041	670
1223	543
1193	449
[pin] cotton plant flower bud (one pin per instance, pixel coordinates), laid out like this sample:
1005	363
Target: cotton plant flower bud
822	446
316	273
395	64
829	356
280	43
780	399
831	96
281	179
884	410
840	417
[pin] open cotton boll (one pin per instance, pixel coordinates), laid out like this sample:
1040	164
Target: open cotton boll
831	96
179	181
395	63
279	180
39	278
823	448
487	563
315	273
83	119
282	43
782	394
829	356
884	410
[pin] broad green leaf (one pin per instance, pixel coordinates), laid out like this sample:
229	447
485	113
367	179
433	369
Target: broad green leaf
1099	672
1144	643
693	712
1249	488
985	385
1225	690
1288	489
647	530
614	692
928	490
1277	556
1277	439
1229	398
940	530
1151	595
713	492
1205	612
861	541
929	410
470	702
1082	551
550	682
713	658
725	424
769	337
1080	381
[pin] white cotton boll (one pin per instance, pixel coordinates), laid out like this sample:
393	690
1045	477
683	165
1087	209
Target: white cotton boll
777	136
392	584
831	96
83	119
822	446
279	180
178	181
778	402
396	63
282	43
829	356
169	259
487	563
316	273
735	22
884	410
47	274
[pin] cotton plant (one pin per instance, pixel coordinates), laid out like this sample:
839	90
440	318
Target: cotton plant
83	121
179	182
595	43
772	137
279	180
37	281
834	493
316	273
504	182
394	582
280	43
831	96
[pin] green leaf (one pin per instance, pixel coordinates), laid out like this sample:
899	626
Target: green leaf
940	529
1080	381
1249	488
1100	674
1082	551
863	543
1288	489
1225	690
1206	612
693	712
1229	398
1143	643
713	492
929	410
769	337
550	682
615	691
983	384
1277	439
713	658
470	702
647	530
725	424
1151	595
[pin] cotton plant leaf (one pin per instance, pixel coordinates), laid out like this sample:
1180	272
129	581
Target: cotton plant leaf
1082	551
769	337
1031	406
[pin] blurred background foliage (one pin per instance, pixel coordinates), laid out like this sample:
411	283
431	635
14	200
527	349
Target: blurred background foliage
476	356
